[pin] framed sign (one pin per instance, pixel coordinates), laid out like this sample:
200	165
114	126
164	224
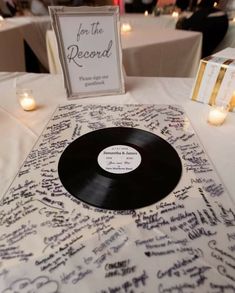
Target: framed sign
89	46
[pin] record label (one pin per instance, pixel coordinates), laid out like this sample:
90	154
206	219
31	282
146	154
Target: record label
119	159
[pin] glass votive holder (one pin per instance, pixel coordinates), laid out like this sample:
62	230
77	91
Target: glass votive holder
146	13
217	114
26	99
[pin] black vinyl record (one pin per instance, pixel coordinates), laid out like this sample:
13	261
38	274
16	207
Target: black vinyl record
119	168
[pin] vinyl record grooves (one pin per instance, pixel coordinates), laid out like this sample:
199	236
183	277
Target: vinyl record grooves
93	170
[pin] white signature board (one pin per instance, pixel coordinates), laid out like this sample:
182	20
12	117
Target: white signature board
88	40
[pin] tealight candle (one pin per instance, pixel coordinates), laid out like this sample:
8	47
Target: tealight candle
146	13
175	14
26	99
126	27
217	115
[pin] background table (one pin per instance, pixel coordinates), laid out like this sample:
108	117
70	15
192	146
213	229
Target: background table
229	39
161	52
11	48
14	33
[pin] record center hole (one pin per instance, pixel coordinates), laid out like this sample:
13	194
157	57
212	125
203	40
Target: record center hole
119	159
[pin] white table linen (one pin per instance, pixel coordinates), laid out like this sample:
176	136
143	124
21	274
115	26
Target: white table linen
168	21
50	242
35	36
14	32
12	56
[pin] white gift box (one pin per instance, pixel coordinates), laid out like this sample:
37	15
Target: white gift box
215	80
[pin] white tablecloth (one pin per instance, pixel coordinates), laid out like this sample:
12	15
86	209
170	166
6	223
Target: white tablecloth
168	21
13	32
50	242
161	52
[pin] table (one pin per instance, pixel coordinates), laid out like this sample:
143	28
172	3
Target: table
17	30
154	37
168	21
33	31
103	251
161	52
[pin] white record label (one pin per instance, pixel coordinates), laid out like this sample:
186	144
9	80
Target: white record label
119	159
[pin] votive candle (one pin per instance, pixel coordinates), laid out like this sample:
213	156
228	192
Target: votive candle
26	100
217	115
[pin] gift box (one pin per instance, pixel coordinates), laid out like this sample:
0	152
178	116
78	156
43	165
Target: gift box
215	80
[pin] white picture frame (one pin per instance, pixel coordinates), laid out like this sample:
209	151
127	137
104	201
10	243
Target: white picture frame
89	48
